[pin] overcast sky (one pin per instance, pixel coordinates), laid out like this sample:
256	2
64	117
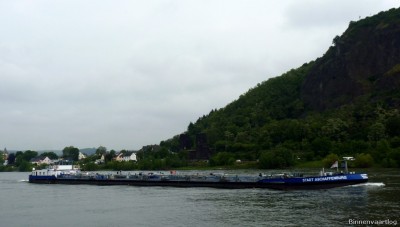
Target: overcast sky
124	74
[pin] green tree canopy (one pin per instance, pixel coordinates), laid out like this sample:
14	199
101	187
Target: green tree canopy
26	156
71	153
50	154
101	151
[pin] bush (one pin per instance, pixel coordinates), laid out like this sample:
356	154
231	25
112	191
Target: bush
363	161
330	159
389	163
321	146
222	159
279	157
25	166
393	159
89	167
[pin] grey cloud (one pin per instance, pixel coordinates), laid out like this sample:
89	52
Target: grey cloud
313	14
130	73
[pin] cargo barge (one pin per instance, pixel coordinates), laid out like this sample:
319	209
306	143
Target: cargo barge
65	173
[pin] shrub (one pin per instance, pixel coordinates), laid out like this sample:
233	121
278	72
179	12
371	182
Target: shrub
363	161
222	158
279	157
330	159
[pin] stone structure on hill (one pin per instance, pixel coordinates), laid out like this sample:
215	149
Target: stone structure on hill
201	150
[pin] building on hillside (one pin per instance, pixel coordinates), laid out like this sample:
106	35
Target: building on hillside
126	156
101	160
41	160
81	156
119	157
185	142
202	151
4	155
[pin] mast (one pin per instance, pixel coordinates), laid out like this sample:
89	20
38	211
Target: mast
346	170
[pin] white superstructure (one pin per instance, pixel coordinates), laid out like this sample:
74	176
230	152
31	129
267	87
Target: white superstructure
58	168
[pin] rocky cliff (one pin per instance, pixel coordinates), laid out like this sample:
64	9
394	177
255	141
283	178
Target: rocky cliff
362	63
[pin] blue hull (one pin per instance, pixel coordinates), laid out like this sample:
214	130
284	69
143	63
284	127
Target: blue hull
318	182
281	183
41	178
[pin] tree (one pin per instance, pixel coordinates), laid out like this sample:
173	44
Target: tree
89	167
336	40
335	129
222	158
376	132
393	126
26	156
392	159
363	161
11	159
279	157
51	155
25	166
109	156
321	146
71	153
268	160
101	151
162	153
381	150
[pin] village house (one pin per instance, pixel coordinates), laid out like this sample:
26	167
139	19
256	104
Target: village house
41	160
101	160
5	156
126	156
81	156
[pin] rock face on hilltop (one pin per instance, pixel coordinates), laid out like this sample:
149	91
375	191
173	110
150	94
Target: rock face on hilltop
364	61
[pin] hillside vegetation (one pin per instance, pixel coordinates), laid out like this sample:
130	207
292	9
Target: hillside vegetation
345	103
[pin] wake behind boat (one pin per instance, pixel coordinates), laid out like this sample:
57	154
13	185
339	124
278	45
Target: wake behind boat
66	173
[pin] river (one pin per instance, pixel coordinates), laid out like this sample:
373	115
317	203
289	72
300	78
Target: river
25	204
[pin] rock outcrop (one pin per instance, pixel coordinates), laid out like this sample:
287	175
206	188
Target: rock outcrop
364	61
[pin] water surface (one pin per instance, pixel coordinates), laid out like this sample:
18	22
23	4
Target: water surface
25	204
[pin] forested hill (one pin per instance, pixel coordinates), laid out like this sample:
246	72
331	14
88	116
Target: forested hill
344	103
364	61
